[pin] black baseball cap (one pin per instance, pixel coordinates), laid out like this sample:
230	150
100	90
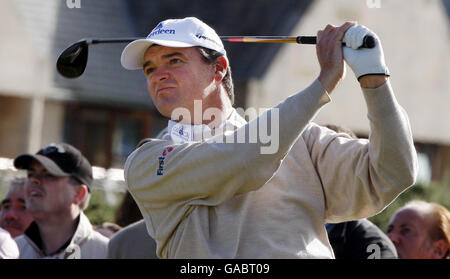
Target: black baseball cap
60	159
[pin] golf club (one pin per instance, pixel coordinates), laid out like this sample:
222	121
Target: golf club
73	60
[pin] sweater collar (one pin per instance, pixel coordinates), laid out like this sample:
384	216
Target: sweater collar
181	133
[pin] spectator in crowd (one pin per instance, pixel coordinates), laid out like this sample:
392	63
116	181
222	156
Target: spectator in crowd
108	229
133	241
128	212
421	230
14	217
57	192
8	247
358	239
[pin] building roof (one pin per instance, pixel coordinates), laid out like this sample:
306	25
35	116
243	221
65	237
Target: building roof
104	77
446	4
229	18
53	26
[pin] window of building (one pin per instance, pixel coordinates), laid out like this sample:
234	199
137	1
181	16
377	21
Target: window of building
106	135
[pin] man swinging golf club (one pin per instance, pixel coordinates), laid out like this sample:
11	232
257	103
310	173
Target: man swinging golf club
217	196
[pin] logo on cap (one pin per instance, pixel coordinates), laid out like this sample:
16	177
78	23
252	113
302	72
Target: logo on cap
52	148
158	30
200	36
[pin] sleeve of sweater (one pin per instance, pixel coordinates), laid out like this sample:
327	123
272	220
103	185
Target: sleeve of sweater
361	177
166	179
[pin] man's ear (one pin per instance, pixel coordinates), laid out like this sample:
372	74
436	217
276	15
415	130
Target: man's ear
439	249
221	65
81	192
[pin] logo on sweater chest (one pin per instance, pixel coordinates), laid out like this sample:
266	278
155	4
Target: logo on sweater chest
161	160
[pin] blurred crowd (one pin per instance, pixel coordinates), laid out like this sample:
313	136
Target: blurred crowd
42	217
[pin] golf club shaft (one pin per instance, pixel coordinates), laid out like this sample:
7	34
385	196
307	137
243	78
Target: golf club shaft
109	40
231	39
72	61
270	39
369	41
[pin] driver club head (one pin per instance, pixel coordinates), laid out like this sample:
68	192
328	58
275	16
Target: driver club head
72	61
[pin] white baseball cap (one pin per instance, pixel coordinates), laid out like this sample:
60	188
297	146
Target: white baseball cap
186	32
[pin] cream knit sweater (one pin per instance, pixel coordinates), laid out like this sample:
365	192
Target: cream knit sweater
227	200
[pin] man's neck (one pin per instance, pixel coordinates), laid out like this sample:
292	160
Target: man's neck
214	111
57	231
225	113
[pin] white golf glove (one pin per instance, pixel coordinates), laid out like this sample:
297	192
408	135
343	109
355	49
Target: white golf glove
363	61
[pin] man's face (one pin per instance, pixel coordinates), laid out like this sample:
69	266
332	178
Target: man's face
408	230
47	194
13	215
176	77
